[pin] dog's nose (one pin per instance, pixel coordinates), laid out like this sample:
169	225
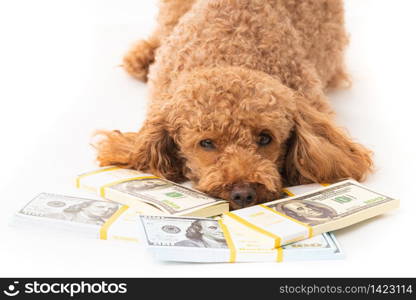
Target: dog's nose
243	194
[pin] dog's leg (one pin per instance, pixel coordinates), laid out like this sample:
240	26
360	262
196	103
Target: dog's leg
137	61
321	24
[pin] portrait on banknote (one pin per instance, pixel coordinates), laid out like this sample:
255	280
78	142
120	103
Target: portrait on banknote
91	212
137	186
308	212
71	209
204	234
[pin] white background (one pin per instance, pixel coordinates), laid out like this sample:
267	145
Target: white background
60	80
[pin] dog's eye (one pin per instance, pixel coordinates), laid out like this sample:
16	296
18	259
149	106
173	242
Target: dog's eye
264	139
207	144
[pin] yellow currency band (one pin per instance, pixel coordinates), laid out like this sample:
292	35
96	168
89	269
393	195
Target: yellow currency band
102	189
289	193
279	254
110	221
325	184
277	239
229	241
310	229
78	180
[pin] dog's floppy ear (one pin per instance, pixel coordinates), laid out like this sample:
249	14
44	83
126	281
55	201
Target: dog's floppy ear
152	150
320	152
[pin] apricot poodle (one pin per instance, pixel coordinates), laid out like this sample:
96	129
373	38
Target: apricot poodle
238	102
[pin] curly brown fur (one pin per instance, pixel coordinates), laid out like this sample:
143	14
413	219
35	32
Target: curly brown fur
233	72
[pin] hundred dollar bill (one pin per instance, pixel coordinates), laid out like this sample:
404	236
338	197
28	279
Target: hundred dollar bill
101	219
207	240
131	187
285	221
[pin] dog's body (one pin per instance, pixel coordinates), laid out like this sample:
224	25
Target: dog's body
237	98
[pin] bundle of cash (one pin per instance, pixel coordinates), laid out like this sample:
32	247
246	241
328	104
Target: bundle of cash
132	188
101	219
207	240
285	221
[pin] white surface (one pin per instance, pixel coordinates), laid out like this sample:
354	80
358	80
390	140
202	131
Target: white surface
60	81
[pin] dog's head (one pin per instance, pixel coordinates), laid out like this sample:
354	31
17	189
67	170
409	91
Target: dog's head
237	134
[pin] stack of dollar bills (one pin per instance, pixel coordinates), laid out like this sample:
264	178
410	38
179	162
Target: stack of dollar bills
88	218
209	240
134	188
171	221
